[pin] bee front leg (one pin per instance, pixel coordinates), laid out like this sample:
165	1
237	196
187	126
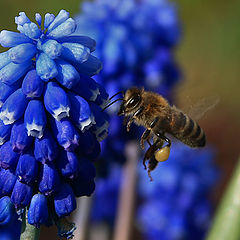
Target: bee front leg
139	111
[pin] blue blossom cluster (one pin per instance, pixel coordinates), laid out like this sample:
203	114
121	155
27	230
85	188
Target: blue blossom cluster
136	42
51	119
175	205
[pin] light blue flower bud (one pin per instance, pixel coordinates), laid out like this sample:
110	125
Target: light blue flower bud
7	182
68	164
10	111
11	39
62	16
22	19
46	67
31	30
5	131
80	112
48	19
52	48
32	85
38	19
19	139
27	168
56	101
8	158
75	52
12	72
83	40
35	118
45	149
22	53
66	28
38	210
66	134
21	195
4	59
90	67
64	200
49	180
67	74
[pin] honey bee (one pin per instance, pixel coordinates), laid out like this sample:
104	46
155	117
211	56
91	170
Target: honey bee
154	112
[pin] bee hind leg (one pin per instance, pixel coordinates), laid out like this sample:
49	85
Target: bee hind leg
152	164
150	153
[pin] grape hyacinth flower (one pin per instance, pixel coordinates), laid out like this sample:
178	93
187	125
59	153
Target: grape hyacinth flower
136	42
51	118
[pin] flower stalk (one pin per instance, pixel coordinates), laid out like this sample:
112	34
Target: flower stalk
29	232
227	219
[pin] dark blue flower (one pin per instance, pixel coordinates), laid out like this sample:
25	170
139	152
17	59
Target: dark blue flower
38	210
46	95
6	210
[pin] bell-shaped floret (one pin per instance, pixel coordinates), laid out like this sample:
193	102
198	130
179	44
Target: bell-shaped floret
49	180
21	195
68	164
87	170
27	168
19	139
62	16
38	210
12	72
46	148
83	188
46	67
7	211
32	85
67	74
66	134
10	111
64	200
56	101
80	112
52	48
35	119
8	158
48	19
7	182
6	91
87	88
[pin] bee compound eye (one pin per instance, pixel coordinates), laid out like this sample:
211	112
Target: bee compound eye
133	101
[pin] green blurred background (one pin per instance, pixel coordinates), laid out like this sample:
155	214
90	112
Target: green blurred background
209	56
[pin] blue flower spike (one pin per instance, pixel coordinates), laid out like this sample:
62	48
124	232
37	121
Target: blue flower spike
42	116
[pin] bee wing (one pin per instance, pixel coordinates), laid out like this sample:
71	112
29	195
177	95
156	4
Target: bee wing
199	109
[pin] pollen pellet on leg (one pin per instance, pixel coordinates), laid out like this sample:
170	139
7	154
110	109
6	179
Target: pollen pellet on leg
163	154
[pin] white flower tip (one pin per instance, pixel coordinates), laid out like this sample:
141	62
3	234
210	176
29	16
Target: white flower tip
7	117
85	125
61	112
95	93
2	141
34	130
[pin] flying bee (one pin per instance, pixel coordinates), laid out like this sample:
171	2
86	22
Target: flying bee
153	111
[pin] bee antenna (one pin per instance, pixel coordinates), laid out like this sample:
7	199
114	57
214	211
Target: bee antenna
112	103
115	95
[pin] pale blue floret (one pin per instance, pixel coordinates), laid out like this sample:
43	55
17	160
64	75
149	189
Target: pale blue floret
62	16
22	19
38	19
31	30
12	72
48	19
35	118
46	67
10	111
68	76
75	52
56	101
52	48
4	59
11	39
22	52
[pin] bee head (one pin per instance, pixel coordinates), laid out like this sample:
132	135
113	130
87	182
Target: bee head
132	99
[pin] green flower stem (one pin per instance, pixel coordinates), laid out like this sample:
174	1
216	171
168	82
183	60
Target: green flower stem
227	220
29	232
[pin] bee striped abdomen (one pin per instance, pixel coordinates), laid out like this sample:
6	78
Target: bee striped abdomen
187	130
